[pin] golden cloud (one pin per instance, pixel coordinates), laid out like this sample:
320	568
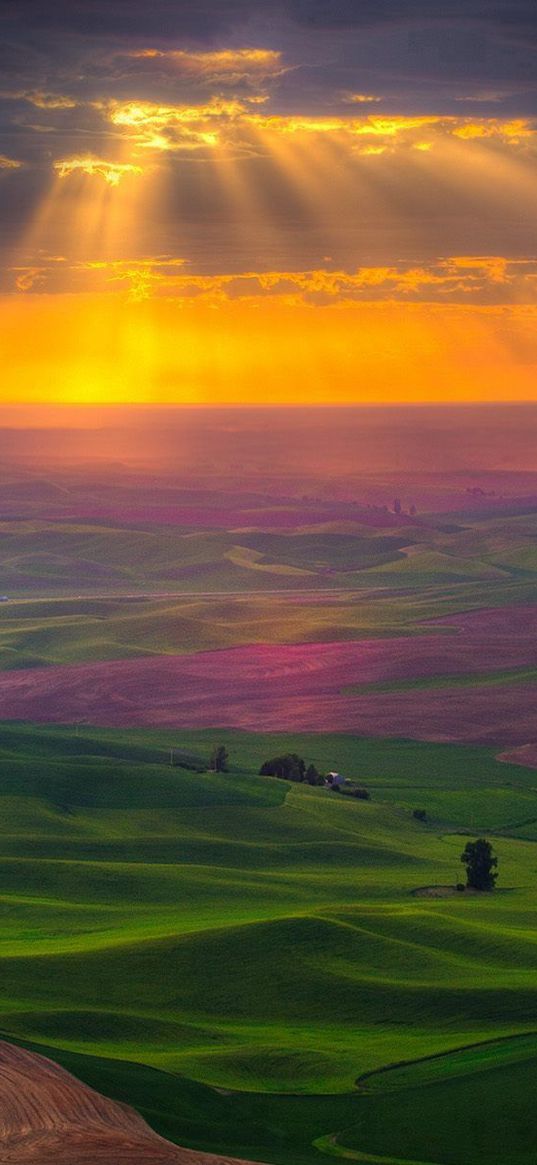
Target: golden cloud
397	129
225	64
112	172
27	277
361	98
491	127
241	124
174	127
49	100
462	279
389	127
492	267
142	277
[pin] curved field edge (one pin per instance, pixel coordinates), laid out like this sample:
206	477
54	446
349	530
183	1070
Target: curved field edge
275	1129
330	1146
281	1129
470	1105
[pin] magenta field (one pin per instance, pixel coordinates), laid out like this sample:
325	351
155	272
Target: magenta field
411	686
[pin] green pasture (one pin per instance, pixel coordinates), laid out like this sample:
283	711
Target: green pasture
39	633
230	953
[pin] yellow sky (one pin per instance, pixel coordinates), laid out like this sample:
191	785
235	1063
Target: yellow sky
87	319
109	348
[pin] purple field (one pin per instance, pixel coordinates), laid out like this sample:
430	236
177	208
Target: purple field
423	683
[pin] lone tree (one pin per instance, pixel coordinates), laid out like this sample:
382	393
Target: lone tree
219	760
480	862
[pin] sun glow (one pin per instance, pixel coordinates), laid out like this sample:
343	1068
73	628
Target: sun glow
261	348
173	127
113	320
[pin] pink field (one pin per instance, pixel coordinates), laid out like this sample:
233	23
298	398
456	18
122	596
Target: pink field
524	754
300	688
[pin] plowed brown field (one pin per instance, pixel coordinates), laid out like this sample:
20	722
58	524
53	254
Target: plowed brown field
47	1117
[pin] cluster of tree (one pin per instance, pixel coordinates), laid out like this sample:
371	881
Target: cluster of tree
398	508
478	856
291	767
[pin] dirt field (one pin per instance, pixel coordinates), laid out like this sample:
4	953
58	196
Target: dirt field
47	1117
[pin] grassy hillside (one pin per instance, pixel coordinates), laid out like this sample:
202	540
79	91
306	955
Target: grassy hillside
167	932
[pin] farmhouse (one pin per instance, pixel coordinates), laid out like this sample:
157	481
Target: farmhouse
335	779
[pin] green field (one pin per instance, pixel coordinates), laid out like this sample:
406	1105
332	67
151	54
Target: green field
83	592
231	953
38	633
47	557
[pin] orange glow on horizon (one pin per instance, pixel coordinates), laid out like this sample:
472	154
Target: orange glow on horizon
106	349
153	331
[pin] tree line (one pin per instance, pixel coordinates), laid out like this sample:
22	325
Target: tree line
292	767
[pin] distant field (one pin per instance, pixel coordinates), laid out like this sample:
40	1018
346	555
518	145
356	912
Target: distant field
36	633
90	537
196	550
135	574
167	932
430	686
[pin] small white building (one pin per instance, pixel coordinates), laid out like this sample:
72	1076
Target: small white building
335	779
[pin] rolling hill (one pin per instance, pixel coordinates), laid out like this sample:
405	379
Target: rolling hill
229	953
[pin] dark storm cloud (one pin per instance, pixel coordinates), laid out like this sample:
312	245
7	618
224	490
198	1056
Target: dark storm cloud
128	18
426	54
207	19
360	13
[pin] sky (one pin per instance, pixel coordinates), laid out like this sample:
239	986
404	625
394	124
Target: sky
301	202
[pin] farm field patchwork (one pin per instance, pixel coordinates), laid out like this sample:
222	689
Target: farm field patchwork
71	534
246	607
265	969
